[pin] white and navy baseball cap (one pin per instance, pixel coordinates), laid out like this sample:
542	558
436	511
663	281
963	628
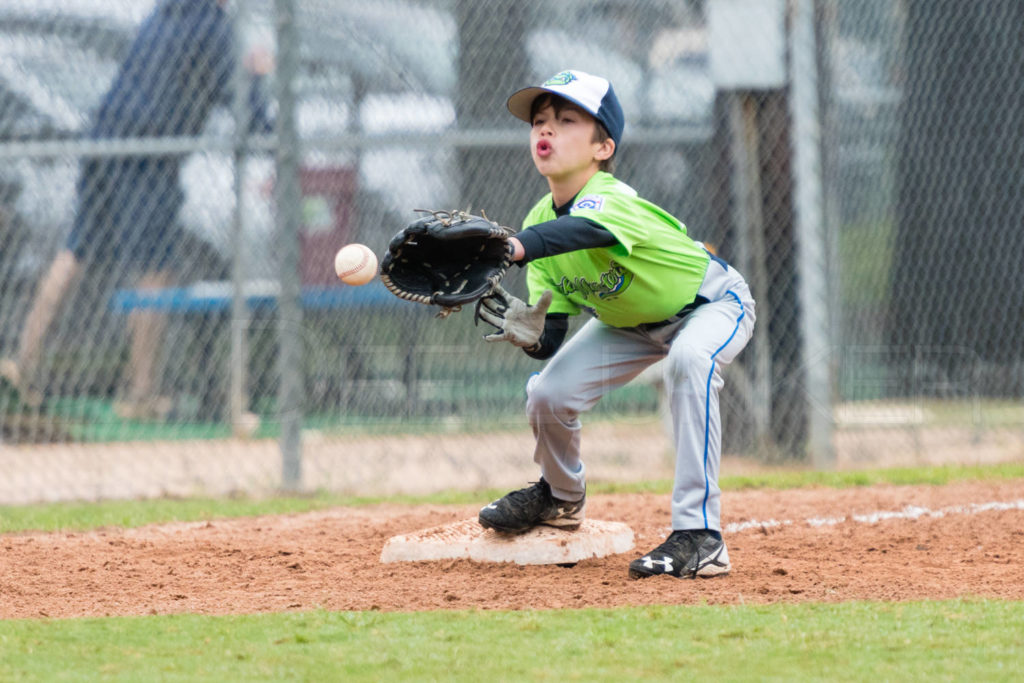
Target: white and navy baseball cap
591	93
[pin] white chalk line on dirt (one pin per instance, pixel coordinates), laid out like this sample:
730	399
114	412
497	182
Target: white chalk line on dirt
908	512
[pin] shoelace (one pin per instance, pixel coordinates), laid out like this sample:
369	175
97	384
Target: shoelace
676	542
527	494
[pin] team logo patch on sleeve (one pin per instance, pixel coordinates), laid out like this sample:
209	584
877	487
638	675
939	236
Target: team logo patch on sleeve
591	202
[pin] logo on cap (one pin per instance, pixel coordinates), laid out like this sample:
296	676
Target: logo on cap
563	78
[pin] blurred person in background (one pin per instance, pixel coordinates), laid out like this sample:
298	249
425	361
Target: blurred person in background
180	65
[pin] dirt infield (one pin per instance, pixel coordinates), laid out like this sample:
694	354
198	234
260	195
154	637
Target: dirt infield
879	543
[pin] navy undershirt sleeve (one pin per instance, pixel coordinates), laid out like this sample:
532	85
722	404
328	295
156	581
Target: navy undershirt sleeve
564	234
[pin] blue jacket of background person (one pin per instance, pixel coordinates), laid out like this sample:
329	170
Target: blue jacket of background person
180	65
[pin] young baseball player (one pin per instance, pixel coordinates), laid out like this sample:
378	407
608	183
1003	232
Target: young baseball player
592	244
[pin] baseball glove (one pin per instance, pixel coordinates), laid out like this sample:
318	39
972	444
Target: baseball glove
446	259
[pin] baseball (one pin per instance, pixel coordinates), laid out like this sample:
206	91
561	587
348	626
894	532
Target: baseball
355	264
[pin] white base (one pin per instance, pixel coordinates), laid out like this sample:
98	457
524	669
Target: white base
540	545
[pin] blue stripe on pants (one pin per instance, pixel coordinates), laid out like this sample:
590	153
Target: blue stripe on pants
707	405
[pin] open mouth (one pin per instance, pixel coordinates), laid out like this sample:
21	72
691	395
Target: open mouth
543	148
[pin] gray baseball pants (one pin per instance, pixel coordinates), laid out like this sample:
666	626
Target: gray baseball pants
599	358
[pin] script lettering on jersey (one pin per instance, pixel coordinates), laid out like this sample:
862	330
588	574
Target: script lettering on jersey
608	285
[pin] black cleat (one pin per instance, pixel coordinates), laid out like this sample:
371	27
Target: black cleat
526	508
685	555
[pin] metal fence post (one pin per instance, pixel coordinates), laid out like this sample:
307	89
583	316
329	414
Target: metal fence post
287	198
751	251
810	235
238	402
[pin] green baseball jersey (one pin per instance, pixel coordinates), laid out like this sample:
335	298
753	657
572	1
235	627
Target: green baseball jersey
655	269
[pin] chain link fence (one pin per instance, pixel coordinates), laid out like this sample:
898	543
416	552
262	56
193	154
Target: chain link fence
178	174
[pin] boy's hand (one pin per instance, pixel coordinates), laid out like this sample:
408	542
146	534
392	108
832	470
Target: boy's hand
517	323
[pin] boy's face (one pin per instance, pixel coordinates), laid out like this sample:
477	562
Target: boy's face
562	143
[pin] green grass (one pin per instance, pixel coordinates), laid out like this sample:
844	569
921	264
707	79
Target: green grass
946	474
956	640
133	513
82	516
790	478
93	420
473	406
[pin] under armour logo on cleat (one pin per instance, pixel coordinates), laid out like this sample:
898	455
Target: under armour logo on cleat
666	564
